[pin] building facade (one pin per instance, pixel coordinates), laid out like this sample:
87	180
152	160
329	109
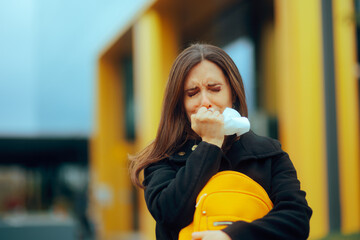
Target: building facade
297	59
81	84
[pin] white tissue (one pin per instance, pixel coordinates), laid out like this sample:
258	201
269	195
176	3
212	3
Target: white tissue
235	123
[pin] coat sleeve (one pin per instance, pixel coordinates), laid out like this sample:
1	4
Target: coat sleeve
170	195
289	219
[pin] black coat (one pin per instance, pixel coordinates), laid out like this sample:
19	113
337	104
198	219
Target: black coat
172	185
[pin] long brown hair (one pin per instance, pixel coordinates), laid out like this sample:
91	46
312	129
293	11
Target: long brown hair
174	127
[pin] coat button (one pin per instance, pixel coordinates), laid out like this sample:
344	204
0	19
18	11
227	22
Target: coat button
204	212
181	153
194	147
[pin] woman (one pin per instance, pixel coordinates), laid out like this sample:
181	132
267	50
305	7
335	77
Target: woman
190	148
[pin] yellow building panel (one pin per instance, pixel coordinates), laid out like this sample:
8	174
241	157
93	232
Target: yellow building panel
268	96
347	113
149	85
155	49
300	100
110	185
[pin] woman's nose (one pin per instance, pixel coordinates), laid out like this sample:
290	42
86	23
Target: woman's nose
205	101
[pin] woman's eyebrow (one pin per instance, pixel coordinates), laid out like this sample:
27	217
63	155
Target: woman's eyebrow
213	84
190	89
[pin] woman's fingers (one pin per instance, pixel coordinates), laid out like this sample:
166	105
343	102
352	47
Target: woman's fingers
207	117
209	125
210	235
204	114
199	235
202	110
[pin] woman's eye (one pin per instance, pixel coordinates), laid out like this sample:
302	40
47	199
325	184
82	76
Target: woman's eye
215	89
190	94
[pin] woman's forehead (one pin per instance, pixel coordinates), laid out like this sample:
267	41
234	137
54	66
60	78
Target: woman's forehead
205	72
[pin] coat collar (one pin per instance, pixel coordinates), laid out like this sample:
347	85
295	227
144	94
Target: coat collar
252	146
183	153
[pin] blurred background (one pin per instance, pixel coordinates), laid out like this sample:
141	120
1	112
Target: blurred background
81	86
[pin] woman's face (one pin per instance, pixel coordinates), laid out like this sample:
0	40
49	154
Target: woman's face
206	86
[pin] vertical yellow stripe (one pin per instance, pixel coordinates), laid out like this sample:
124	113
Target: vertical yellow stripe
147	93
148	83
301	105
154	50
347	113
110	185
268	94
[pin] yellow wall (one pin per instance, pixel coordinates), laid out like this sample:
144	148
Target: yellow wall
155	49
268	92
300	100
347	113
110	185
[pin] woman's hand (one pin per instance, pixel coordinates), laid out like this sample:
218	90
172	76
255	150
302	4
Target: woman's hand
210	235
209	125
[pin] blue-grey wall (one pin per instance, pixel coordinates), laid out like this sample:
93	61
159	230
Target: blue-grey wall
48	60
